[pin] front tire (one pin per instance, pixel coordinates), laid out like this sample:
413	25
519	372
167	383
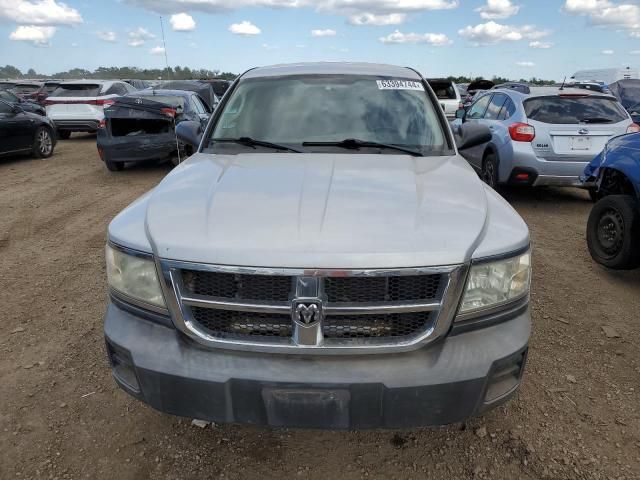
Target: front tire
613	232
490	171
43	143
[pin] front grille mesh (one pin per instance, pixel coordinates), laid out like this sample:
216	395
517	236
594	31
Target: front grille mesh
382	289
375	326
225	323
238	286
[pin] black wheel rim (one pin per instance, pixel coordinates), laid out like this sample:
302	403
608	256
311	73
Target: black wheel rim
611	231
44	142
489	176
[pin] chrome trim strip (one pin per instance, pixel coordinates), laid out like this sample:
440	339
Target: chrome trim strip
221	304
377	309
172	287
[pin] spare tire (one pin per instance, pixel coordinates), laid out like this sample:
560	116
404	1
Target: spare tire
613	232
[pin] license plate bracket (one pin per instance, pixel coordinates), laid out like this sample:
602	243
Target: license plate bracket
580	143
307	408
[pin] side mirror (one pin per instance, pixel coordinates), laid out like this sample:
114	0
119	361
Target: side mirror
189	133
472	135
461	113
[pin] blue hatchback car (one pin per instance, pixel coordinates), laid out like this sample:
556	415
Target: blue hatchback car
613	230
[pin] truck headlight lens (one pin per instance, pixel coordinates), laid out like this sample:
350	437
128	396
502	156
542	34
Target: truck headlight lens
134	277
494	283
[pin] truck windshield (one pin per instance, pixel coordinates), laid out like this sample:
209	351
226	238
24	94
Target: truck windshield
326	109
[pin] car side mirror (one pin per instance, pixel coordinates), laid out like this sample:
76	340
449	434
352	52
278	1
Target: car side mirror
189	132
472	135
461	113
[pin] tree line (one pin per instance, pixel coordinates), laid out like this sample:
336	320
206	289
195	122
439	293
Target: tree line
112	73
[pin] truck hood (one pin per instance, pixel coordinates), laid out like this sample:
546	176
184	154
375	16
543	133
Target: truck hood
318	211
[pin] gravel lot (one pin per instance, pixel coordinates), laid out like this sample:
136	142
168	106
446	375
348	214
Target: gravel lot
62	416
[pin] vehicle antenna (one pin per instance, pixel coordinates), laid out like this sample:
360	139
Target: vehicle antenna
563	82
164	46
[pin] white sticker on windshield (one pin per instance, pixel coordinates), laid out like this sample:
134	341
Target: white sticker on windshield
399	85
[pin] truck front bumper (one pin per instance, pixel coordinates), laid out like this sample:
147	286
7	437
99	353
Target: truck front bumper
447	382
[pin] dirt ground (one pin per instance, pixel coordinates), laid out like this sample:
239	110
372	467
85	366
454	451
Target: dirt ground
62	416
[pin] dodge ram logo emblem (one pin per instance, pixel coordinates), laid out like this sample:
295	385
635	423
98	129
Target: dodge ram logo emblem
307	312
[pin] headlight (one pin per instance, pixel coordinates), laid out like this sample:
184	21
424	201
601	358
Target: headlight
134	277
492	284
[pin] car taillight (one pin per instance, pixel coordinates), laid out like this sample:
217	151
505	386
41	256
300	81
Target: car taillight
522	132
633	128
102	124
171	112
104	102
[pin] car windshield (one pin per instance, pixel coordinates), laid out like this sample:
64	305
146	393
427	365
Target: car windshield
293	110
574	110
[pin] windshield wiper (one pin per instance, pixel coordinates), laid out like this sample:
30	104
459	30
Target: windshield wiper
354	144
251	142
596	120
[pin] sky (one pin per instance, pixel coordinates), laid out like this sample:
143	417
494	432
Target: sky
511	38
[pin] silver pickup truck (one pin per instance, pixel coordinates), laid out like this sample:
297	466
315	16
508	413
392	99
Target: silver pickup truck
325	259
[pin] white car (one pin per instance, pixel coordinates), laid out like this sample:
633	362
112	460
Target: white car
78	106
448	95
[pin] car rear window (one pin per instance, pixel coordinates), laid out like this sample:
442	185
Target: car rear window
572	110
77	90
444	90
26	88
173	101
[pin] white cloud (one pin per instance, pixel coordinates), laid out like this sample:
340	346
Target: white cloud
157	50
323	33
608	52
538	44
367	18
526	64
139	36
606	14
491	33
107	36
244	28
182	22
634	52
39	12
433	39
349	8
268	46
498	9
38	35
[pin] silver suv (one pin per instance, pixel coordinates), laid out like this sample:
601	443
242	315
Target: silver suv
541	135
326	259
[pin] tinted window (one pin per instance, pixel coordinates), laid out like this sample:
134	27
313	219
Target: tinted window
22	88
508	109
77	90
116	89
495	106
444	90
571	110
478	108
332	108
5	108
51	87
9	96
197	105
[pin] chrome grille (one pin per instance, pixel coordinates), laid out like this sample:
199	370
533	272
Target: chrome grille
230	324
395	325
236	286
357	311
382	289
